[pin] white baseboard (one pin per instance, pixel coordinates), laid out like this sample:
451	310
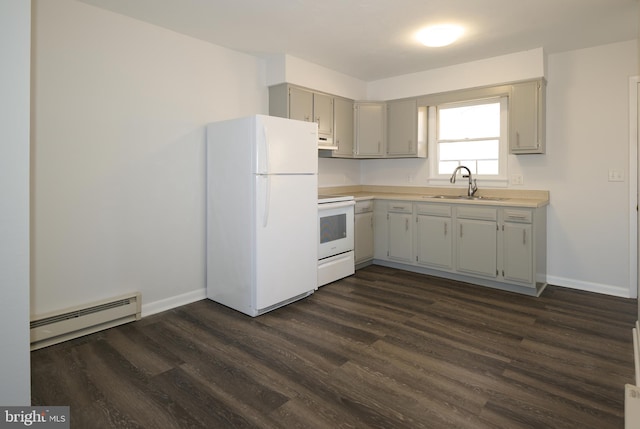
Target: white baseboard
173	302
632	393
589	286
636	351
631	407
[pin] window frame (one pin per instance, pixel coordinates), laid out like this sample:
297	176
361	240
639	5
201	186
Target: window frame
498	180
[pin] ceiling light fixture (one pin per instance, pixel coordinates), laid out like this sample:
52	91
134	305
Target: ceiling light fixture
439	35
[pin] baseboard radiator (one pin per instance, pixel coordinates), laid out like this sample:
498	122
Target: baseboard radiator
75	322
632	392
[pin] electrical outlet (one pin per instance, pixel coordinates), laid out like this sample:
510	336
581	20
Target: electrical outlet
517	179
616	175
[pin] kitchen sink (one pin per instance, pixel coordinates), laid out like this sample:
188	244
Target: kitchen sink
464	197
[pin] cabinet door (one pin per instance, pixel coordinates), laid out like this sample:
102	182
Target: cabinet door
343	119
300	104
526	118
518	252
477	247
363	237
370	125
435	242
399	236
323	113
402	127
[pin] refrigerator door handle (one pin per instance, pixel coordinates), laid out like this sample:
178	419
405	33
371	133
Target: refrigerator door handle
265	144
267	202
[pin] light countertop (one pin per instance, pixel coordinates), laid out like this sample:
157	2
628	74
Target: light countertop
489	197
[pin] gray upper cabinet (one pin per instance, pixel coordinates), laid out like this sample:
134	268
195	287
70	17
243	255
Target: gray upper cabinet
323	114
398	128
370	122
343	128
293	102
527	117
300	104
406	129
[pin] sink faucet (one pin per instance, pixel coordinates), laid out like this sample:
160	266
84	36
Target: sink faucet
472	183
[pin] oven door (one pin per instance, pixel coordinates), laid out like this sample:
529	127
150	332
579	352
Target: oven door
335	228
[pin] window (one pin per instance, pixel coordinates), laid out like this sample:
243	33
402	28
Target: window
473	134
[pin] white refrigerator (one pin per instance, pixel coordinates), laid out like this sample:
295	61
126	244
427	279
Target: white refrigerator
262	212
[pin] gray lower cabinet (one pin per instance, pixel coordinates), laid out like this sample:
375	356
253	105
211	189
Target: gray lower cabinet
477	247
434	236
520	245
400	231
477	242
363	231
503	247
518	252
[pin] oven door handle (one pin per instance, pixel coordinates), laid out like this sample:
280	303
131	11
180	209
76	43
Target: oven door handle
337	205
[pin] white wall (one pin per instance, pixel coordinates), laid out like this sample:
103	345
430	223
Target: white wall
119	166
290	69
490	71
587	134
15	37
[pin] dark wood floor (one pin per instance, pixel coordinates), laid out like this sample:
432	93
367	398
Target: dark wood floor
383	349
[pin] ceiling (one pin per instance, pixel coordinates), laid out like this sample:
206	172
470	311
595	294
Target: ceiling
373	39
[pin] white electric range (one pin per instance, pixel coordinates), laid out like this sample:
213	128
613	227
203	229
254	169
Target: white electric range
335	238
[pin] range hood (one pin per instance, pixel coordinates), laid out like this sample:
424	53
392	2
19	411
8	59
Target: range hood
326	143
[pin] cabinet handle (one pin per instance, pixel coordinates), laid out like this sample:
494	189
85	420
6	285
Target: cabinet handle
460	230
524	236
521	217
517	139
445	229
318	119
406	224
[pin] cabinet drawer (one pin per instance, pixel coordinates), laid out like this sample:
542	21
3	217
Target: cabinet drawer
482	213
513	215
364	206
434	209
401	206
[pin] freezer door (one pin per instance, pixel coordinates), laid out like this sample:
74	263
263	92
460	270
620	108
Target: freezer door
286	146
286	258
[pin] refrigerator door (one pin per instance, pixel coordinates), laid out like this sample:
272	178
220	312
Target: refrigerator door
286	258
286	146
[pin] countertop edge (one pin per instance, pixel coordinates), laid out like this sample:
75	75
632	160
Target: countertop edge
520	198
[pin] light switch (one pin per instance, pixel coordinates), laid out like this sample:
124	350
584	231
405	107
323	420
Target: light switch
616	175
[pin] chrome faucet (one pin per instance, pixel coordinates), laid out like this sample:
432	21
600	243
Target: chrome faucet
472	183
